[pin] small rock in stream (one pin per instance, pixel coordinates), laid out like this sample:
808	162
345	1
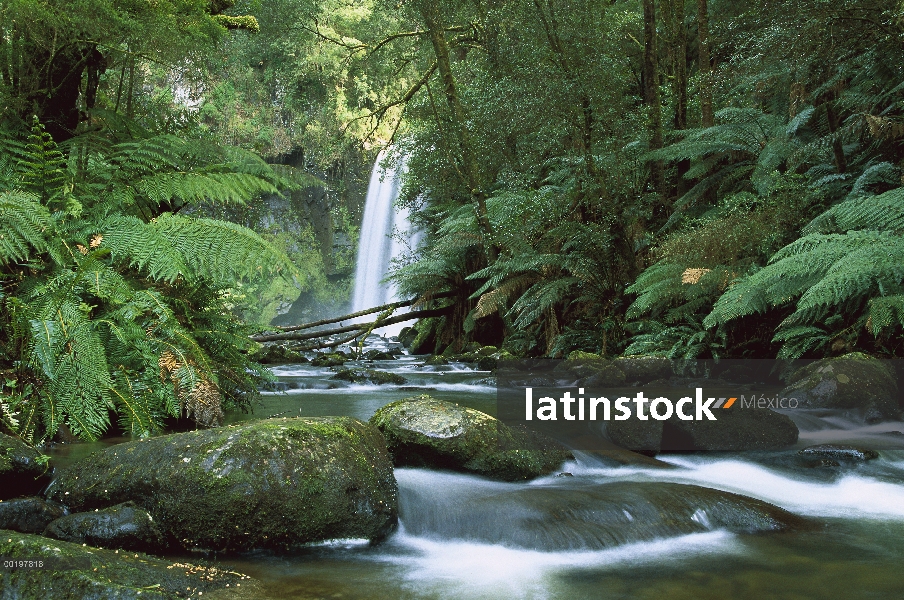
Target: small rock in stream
838	451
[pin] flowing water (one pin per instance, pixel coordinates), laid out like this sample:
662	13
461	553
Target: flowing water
462	536
386	235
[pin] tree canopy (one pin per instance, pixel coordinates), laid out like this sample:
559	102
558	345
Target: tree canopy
688	179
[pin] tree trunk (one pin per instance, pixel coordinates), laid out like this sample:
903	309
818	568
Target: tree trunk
651	88
837	148
678	54
470	169
706	70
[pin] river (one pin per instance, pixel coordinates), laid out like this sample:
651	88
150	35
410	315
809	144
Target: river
853	550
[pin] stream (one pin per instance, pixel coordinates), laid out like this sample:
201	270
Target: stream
462	536
441	550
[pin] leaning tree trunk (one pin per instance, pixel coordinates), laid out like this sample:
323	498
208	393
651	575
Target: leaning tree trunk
470	170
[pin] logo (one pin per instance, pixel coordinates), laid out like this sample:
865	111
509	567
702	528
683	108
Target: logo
602	409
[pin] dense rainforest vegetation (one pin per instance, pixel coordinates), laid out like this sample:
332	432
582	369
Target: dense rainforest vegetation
706	178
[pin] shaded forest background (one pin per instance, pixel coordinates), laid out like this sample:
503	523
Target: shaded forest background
691	179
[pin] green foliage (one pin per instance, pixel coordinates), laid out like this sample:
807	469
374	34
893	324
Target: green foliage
837	282
108	313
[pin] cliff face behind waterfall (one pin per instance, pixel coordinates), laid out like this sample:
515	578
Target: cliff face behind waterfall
332	213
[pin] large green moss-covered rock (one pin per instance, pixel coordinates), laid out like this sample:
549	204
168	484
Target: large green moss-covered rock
853	381
274	483
85	573
422	431
22	470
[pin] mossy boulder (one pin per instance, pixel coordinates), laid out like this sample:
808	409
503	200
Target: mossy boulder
736	429
407	335
583	356
422	431
28	515
379	355
82	573
23	470
643	369
272	484
122	526
278	354
854	381
487	363
369	376
333	359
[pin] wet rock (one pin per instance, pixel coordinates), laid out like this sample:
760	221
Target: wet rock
278	354
572	515
436	360
607	375
487	350
839	451
422	431
853	381
333	359
90	573
379	355
487	363
122	526
272	484
736	429
471	347
28	515
406	336
643	437
369	376
644	369
23	470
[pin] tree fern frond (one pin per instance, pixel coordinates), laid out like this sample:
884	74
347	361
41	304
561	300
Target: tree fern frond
24	226
221	251
882	212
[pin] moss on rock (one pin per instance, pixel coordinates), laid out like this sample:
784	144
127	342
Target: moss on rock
422	431
369	376
85	573
274	483
854	381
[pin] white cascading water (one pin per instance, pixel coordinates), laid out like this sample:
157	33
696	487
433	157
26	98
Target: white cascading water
377	246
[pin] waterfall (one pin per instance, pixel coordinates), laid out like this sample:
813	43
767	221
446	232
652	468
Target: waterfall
376	246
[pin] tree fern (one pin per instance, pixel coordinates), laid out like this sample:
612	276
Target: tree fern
24	222
109	311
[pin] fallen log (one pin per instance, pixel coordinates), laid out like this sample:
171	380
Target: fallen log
361	313
361	327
